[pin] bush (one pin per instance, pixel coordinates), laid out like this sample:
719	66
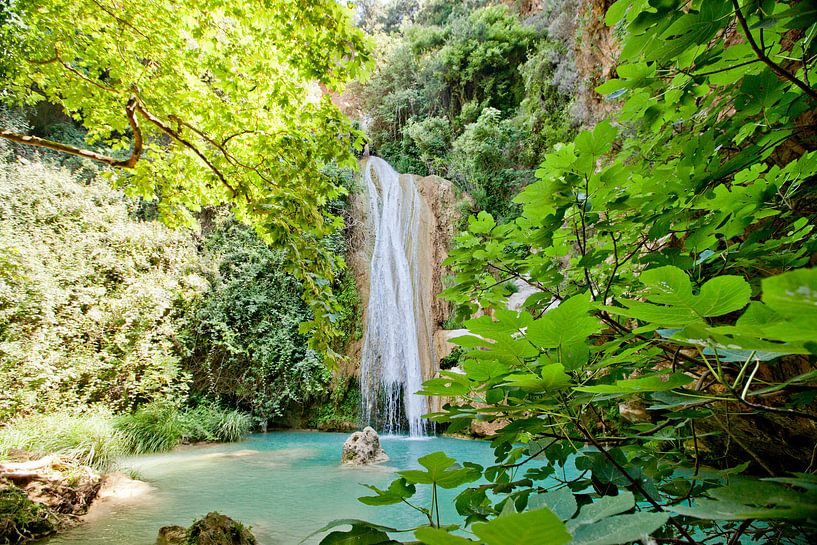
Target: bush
242	340
90	438
22	519
89	298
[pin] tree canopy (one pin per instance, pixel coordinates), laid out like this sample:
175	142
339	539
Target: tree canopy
203	103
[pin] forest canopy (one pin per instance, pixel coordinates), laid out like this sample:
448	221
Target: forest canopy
203	104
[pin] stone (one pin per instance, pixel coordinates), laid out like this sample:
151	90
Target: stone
363	447
172	535
213	529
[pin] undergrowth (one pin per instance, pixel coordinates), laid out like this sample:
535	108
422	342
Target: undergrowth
98	438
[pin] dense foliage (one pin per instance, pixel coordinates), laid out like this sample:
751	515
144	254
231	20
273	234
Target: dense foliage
242	336
218	103
89	296
466	91
662	379
102	306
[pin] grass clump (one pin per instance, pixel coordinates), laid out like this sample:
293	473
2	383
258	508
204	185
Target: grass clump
97	438
89	438
153	428
213	423
158	427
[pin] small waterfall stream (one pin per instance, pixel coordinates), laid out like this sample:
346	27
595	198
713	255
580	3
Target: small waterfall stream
390	371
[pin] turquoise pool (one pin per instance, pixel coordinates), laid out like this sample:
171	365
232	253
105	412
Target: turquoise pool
285	485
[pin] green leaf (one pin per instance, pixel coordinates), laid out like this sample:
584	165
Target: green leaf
362	533
678	306
755	499
561	502
436	536
619	529
604	507
655	383
792	294
540	527
442	471
398	490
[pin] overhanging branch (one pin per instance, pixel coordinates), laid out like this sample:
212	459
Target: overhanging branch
130	162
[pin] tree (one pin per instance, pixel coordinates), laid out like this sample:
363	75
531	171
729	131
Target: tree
208	102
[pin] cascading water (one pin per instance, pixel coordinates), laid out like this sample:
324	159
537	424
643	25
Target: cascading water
390	371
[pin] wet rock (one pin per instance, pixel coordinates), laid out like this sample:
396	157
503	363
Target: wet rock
172	535
213	529
363	447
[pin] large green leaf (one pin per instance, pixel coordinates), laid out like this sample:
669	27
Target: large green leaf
604	507
437	536
561	502
756	499
671	288
619	529
539	527
792	294
362	533
442	471
566	328
398	490
654	383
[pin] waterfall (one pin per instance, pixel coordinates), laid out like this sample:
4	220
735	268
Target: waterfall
390	371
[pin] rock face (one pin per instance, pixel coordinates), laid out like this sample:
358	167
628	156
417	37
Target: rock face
363	447
444	206
214	529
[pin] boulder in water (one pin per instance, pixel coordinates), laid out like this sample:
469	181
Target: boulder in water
172	535
214	529
363	447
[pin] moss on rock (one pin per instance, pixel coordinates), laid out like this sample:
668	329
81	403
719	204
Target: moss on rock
22	519
213	529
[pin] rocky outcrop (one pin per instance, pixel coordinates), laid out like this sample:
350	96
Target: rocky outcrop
213	529
443	211
38	497
363	447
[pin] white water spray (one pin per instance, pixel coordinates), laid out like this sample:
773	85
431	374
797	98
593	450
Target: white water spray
390	372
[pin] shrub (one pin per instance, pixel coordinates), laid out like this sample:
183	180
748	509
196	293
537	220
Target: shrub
242	339
89	300
22	519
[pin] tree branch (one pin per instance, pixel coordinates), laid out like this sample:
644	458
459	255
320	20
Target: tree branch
761	54
130	162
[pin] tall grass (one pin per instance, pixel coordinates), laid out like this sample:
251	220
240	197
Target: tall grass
156	427
89	438
97	438
213	423
153	428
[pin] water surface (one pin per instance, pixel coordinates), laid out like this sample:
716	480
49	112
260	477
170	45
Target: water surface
285	485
